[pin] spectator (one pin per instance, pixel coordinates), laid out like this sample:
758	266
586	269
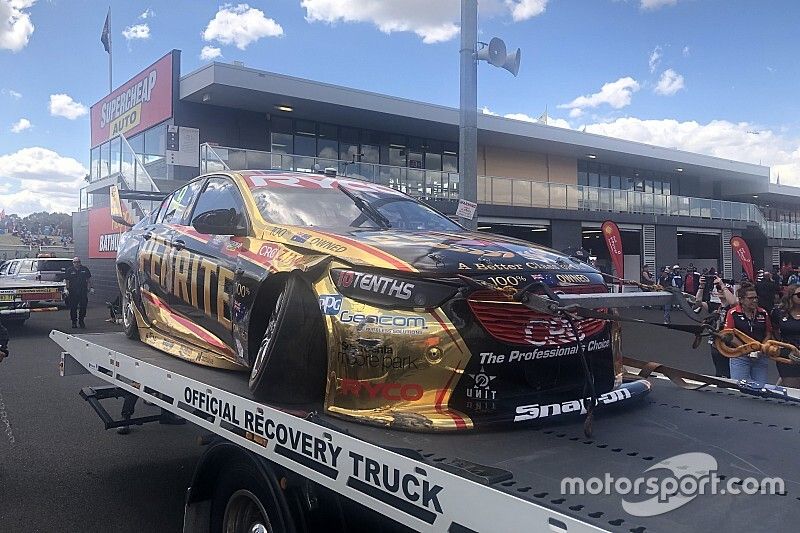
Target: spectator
676	279
794	278
665	280
79	285
721	299
647	277
692	280
767	292
776	275
786	325
753	321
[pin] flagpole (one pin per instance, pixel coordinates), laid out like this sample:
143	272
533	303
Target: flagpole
110	54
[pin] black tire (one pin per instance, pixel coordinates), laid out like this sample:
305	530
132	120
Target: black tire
291	362
128	303
242	501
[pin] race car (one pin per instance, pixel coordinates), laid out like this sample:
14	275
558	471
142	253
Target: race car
357	296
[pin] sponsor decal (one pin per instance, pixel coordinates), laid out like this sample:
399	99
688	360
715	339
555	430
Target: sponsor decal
242	290
327	245
300	237
377	284
142	102
268	250
380	323
535	411
192	278
481	388
233	245
516	356
508	281
572	278
453	247
391	392
330	304
256	181
379	357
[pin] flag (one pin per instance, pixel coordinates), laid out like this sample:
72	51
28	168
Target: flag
105	37
742	252
614	243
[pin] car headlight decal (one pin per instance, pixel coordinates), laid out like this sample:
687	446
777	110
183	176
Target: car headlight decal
390	291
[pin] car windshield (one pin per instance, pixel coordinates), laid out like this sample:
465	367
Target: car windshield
331	208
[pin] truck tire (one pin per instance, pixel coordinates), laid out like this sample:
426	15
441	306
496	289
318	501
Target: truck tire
291	362
128	303
242	502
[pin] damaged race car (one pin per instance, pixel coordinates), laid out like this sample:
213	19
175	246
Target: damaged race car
357	296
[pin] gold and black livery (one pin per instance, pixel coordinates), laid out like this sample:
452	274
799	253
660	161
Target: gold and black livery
357	296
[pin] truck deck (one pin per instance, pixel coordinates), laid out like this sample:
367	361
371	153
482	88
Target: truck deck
511	477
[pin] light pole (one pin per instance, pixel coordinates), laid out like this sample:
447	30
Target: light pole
495	54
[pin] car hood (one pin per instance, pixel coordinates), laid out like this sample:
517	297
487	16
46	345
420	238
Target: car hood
435	251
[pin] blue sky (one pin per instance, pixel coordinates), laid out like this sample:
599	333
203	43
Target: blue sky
711	76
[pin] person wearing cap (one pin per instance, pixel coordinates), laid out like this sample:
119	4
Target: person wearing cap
79	285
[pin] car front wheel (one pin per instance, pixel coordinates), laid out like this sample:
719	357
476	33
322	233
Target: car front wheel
128	303
291	363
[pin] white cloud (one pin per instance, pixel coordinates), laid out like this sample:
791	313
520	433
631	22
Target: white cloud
62	105
240	25
12	93
433	21
16	27
669	83
20	125
617	94
655	58
685	51
47	181
558	122
147	14
137	31
210	52
526	9
656	4
718	138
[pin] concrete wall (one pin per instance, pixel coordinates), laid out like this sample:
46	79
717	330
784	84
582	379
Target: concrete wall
666	246
566	234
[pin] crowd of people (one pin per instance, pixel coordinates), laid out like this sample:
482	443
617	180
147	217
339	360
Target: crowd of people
764	309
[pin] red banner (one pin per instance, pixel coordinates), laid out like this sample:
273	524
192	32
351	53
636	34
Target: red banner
104	234
742	251
614	244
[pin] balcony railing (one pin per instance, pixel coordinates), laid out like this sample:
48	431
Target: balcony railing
495	190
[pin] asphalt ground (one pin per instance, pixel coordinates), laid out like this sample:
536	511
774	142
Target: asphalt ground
61	471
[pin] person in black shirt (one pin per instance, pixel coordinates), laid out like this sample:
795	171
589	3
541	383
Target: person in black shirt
767	290
79	285
719	301
754	322
786	322
3	342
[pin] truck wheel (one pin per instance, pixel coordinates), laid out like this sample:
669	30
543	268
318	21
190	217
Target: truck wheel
242	503
128	303
291	363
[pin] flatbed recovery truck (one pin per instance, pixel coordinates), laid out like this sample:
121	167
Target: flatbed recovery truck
312	472
19	297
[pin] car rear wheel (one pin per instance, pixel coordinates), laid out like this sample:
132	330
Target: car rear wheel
291	363
128	303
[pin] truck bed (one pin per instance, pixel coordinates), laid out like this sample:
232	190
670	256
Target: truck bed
748	436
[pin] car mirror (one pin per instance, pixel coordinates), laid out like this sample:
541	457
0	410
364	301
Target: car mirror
220	222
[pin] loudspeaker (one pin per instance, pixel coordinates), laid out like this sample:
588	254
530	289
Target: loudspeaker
495	53
511	63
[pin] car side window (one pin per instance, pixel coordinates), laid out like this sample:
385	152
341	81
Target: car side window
179	203
4	269
220	194
13	268
26	266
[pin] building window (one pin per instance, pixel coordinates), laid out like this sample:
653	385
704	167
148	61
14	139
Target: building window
154	144
348	144
282	139
450	157
104	161
115	155
327	143
137	143
433	155
370	147
94	169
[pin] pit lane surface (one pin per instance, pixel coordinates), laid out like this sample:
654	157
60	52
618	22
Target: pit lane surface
59	470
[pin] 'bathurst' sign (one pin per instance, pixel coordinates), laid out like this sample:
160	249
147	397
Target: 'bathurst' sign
142	102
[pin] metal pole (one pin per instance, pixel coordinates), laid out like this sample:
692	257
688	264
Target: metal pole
468	116
110	49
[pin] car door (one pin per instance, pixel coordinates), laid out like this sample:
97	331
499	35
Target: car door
156	255
216	256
